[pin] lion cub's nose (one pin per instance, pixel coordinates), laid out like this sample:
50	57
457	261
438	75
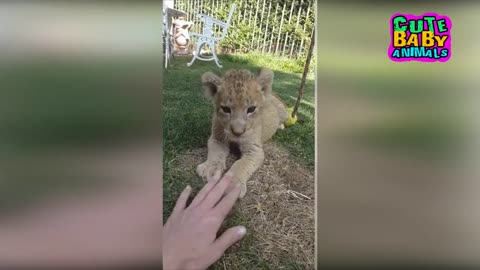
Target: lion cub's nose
238	132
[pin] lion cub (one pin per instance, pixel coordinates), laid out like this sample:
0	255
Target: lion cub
246	115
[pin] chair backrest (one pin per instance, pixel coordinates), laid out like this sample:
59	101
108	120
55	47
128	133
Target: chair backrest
229	19
230	14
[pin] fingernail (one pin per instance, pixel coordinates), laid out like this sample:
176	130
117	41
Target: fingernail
188	187
242	231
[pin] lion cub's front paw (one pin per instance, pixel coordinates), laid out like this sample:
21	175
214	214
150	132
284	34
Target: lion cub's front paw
242	186
210	171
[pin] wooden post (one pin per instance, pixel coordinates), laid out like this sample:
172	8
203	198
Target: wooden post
266	28
239	7
259	38
298	14
304	29
291	49
273	30
305	72
250	15
296	26
291	11
285	44
255	26
271	41
194	12
280	29
287	35
185	6
244	12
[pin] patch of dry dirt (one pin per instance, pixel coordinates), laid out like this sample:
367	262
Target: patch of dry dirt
278	210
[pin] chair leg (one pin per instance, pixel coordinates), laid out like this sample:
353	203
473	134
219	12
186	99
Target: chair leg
195	54
214	52
166	50
166	58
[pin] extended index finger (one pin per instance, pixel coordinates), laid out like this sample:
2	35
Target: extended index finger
217	192
227	202
203	193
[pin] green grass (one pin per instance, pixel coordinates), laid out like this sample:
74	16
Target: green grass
187	123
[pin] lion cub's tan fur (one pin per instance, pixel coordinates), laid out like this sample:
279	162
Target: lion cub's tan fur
246	114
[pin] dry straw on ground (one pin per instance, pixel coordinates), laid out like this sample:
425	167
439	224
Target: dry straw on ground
278	212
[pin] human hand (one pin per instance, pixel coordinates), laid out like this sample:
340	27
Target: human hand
190	234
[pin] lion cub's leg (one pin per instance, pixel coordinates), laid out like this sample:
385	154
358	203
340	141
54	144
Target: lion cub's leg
242	169
212	169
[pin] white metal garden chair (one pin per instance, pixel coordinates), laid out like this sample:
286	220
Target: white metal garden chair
208	37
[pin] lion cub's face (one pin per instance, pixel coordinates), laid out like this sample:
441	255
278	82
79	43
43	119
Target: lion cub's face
238	96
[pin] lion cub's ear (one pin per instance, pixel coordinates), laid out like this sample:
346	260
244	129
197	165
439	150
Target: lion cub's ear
265	79
211	84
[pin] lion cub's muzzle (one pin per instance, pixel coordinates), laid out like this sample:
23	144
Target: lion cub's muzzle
238	127
238	132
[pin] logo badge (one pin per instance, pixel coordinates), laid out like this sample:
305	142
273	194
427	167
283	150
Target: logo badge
424	38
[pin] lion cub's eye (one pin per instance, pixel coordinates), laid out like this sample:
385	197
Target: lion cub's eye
251	109
226	109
